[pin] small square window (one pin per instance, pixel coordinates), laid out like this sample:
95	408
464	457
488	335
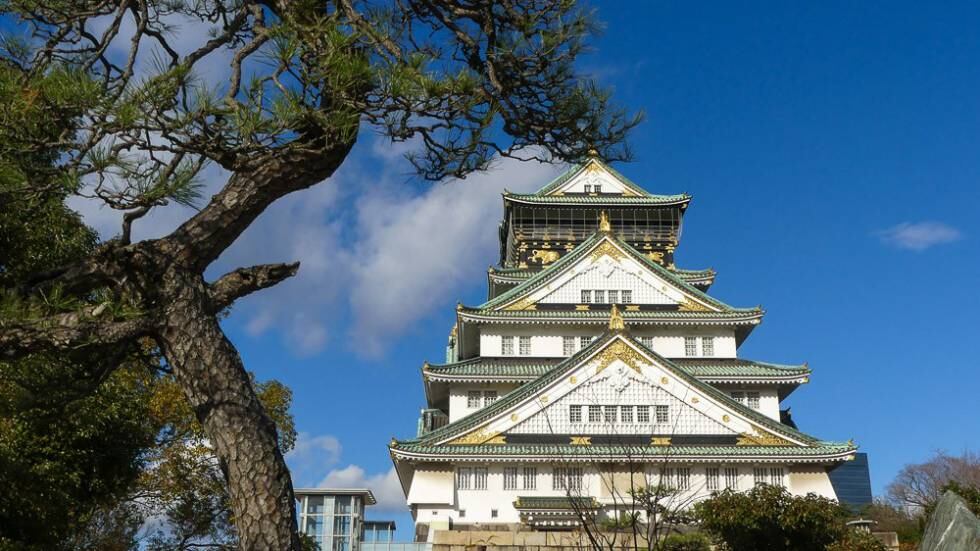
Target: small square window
584	341
489	397
690	346
473	399
752	399
600	297
739	397
663	415
493	513
507	345
647	342
609	414
627	296
626	414
595	414
525	345
613	297
462	513
642	414
586	296
568	345
707	346
575	414
598	188
588	188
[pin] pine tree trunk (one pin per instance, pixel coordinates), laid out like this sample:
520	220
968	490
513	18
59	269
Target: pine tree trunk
244	438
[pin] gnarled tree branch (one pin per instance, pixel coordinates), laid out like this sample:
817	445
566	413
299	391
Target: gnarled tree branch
244	281
69	331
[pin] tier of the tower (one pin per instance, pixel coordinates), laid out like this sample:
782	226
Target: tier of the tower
538	228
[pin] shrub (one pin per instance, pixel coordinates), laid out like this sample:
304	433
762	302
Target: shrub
694	541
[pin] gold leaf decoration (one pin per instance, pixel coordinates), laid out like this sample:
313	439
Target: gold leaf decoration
765	439
619	351
606	249
581	441
581	307
523	304
660	441
689	305
604	224
479	436
656	256
544	257
616	320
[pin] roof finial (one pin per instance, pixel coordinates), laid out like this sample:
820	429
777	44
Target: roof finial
616	320
604	224
593	153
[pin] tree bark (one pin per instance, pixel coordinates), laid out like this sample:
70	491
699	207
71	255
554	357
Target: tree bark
244	438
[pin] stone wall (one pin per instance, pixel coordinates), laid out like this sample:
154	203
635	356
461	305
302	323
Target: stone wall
478	540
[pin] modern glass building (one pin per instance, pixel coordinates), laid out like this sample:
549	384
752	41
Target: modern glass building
334	518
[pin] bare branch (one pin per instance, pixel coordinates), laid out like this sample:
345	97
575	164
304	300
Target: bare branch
69	331
244	281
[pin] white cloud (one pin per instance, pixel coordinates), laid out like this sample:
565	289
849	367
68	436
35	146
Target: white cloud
919	236
385	486
311	455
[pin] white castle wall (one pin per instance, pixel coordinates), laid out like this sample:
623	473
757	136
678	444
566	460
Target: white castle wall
546	341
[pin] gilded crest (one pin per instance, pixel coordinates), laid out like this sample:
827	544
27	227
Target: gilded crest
606	249
761	440
544	257
477	437
622	352
689	305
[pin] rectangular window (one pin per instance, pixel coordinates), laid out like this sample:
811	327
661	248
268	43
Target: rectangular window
667	478
480	478
627	296
613	297
760	476
690	346
462	513
776	476
489	397
493	513
595	414
707	346
507	345
584	341
609	414
473	399
683	478
663	414
731	478
586	296
575	414
510	478
464	478
739	397
566	478
525	345
588	188
530	478
600	297
647	342
568	345
712	479
752	399
598	188
642	414
626	414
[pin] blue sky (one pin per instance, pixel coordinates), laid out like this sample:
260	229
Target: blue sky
832	151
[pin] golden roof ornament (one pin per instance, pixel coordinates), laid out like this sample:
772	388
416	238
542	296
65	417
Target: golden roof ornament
604	224
593	153
616	322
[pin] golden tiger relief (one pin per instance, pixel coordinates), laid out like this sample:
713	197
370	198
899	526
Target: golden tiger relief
544	257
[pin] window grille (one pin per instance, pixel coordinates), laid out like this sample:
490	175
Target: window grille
575	414
712	479
760	476
776	476
568	345
530	478
667	478
473	399
707	346
598	188
525	345
613	297
731	478
642	414
647	342
566	478
609	414
493	513
739	397
600	296
683	478
627	296
464	478
595	414
626	414
663	414
586	296
584	341
588	188
480	478
510	478
752	399
507	346
489	397
690	346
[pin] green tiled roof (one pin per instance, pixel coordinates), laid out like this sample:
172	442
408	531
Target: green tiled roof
600	315
543	276
524	273
576	168
532	368
555	502
515	397
817	448
607	199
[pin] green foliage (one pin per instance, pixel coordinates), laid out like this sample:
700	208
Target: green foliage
895	519
857	540
768	518
694	541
